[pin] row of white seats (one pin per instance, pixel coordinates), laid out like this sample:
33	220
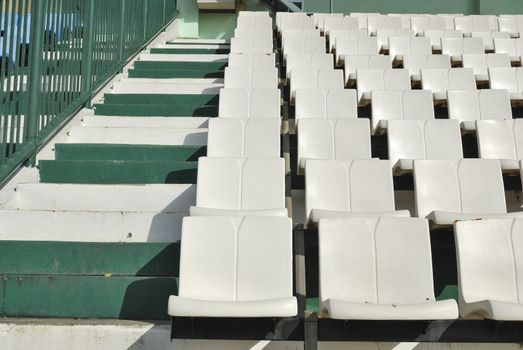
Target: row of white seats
408	140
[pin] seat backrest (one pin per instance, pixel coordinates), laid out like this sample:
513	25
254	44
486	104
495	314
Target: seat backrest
481	62
409	46
421	23
417	105
310	62
462	79
252	60
304	45
324	79
241	183
337	103
396	79
258	23
335	33
452	46
341	139
256	44
435	35
507	24
454	186
251	78
424	139
463	105
361	186
366	260
340	23
435	80
473	45
415	63
296	22
383	35
355	62
506	46
500	139
220	258
252	33
494	104
246	103
490	260
383	22
240	138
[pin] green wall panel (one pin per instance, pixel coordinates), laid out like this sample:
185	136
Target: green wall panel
501	7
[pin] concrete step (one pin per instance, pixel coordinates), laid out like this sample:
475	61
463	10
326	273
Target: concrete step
137	136
189	51
214	58
175	73
156	110
192	46
196	100
149	122
207	65
198	41
166	198
173	81
181	89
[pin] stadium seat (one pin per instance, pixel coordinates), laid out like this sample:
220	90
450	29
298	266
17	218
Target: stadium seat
336	139
480	63
501	140
309	62
489	254
323	79
220	270
334	34
368	272
511	25
383	36
355	45
252	60
251	78
489	37
240	187
511	47
319	19
340	23
242	138
510	79
375	23
304	45
330	104
302	33
422	23
363	18
245	103
357	188
381	79
399	46
469	106
468	24
261	35
455	47
435	36
439	81
282	17
353	63
450	190
422	139
400	105
296	22
415	63
259	23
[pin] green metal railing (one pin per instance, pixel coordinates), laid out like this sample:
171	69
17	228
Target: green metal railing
55	54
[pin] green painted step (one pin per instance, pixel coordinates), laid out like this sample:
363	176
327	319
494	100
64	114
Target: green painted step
162	99
162	65
157	153
137	298
174	73
137	110
179	51
117	172
89	259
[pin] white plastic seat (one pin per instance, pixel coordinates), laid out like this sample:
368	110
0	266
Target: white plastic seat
357	188
220	270
501	139
384	35
415	63
252	60
511	47
468	24
309	62
381	79
241	138
355	45
287	34
511	25
245	103
450	190
422	23
251	78
330	104
436	35
334	34
353	63
264	14
367	272
337	139
304	45
282	17
261	35
470	106
400	105
490	256
455	47
323	79
374	23
240	186
319	19
399	46
480	63
340	23
489	37
449	19
510	79
422	139
258	23
296	22
439	81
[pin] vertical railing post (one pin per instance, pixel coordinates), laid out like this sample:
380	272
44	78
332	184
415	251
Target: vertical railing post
35	76
122	32
145	15
87	73
164	12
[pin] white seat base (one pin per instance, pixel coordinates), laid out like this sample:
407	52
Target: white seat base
201	211
445	218
431	310
318	214
491	309
183	307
